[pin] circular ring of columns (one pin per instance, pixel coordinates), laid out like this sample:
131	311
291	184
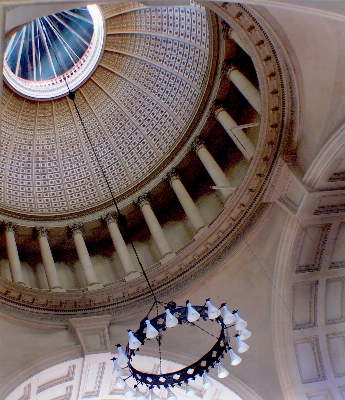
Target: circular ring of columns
201	256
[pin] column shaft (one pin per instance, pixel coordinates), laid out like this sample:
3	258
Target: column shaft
121	248
12	251
84	258
187	204
214	170
237	135
156	230
48	262
234	36
249	91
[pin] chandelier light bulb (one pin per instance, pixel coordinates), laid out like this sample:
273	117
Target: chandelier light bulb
122	359
139	395
128	391
234	358
222	372
117	371
228	317
153	395
206	381
170	320
133	342
241	346
119	383
190	391
240	323
212	311
171	395
151	331
192	314
244	334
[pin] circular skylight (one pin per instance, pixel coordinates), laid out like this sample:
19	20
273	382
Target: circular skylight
54	51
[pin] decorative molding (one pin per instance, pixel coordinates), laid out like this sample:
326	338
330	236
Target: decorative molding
67	395
320	394
339	240
98	382
308	353
27	393
336	350
66	378
318	251
335	301
92	333
304	306
337	177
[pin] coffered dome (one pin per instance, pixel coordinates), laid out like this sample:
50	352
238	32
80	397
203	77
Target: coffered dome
139	107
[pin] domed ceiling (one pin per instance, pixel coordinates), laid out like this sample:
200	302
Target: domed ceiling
139	107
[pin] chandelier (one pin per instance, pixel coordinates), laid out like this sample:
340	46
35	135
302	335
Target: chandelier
173	315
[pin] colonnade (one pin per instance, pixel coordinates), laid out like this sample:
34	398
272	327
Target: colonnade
110	219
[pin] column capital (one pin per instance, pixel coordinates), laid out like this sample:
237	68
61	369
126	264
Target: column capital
143	200
9	226
225	30
216	108
197	144
228	67
110	217
172	175
75	228
41	231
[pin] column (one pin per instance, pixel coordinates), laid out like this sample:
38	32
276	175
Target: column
2	41
248	90
186	201
119	244
229	32
83	254
47	258
214	170
12	252
241	140
156	231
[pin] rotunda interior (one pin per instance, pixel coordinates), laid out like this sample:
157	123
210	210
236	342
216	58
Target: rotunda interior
177	151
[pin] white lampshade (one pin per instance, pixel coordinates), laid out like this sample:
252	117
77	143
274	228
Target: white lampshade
192	315
244	334
222	372
153	395
240	323
170	320
139	395
212	311
234	358
129	392
122	359
117	371
119	383
133	342
206	381
241	346
151	331
228	317
171	395
190	391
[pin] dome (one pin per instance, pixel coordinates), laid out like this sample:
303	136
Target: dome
140	107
